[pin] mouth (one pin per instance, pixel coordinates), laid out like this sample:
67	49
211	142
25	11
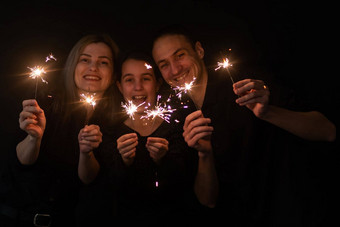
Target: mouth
92	78
180	78
138	99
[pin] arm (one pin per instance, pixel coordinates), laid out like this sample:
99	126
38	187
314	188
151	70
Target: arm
32	120
88	167
311	125
308	125
197	135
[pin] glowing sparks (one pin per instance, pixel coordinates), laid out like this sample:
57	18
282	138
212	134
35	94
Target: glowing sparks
163	111
184	89
130	108
36	72
148	66
50	57
89	99
225	64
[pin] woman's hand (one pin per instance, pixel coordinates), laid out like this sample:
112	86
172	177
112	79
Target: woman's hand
89	138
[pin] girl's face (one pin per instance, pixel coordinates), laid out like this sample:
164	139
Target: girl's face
94	70
138	83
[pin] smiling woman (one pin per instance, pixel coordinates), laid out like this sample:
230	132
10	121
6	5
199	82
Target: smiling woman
48	152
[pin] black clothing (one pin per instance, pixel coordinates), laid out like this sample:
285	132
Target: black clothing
139	199
50	185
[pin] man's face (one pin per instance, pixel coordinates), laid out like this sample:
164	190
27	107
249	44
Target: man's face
177	60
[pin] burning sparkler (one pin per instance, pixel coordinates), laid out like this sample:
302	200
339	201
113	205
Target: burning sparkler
38	71
185	88
225	64
163	111
130	108
90	101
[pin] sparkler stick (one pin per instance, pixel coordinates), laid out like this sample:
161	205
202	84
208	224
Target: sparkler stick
90	101
38	71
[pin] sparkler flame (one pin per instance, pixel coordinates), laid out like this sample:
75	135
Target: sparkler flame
225	64
49	57
89	99
130	108
36	72
185	88
148	66
162	111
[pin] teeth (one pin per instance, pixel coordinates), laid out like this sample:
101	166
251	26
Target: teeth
92	77
180	78
139	97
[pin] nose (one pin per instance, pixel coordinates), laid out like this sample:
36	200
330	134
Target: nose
176	67
93	66
138	85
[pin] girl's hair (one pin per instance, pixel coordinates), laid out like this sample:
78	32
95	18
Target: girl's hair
139	55
69	93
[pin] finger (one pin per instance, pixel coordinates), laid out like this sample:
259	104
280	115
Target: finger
197	123
127	136
198	130
157	140
29	102
129	154
253	95
23	115
244	86
191	117
193	141
124	149
92	138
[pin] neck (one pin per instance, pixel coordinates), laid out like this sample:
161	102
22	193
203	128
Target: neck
197	92
144	127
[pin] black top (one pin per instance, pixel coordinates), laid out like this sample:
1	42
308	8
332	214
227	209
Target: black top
50	185
139	199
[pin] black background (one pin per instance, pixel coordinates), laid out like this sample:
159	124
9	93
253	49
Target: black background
288	40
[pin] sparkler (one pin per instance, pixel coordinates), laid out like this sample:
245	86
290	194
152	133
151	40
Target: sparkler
90	101
185	88
38	71
163	111
130	108
225	64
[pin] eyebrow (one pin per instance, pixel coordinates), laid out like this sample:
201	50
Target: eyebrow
176	51
88	55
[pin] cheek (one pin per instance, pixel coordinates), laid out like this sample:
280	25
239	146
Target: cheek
77	76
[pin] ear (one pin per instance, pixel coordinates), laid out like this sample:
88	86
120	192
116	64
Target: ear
199	49
119	86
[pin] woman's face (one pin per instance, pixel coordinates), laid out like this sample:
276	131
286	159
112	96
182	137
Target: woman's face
138	83
94	70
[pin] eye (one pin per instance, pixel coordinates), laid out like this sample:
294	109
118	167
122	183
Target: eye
104	63
163	65
83	59
180	55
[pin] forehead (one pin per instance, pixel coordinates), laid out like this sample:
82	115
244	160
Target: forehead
98	49
136	65
167	45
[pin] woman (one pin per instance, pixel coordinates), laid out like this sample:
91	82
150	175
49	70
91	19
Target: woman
47	158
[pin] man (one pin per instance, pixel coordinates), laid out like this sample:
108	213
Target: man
240	136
